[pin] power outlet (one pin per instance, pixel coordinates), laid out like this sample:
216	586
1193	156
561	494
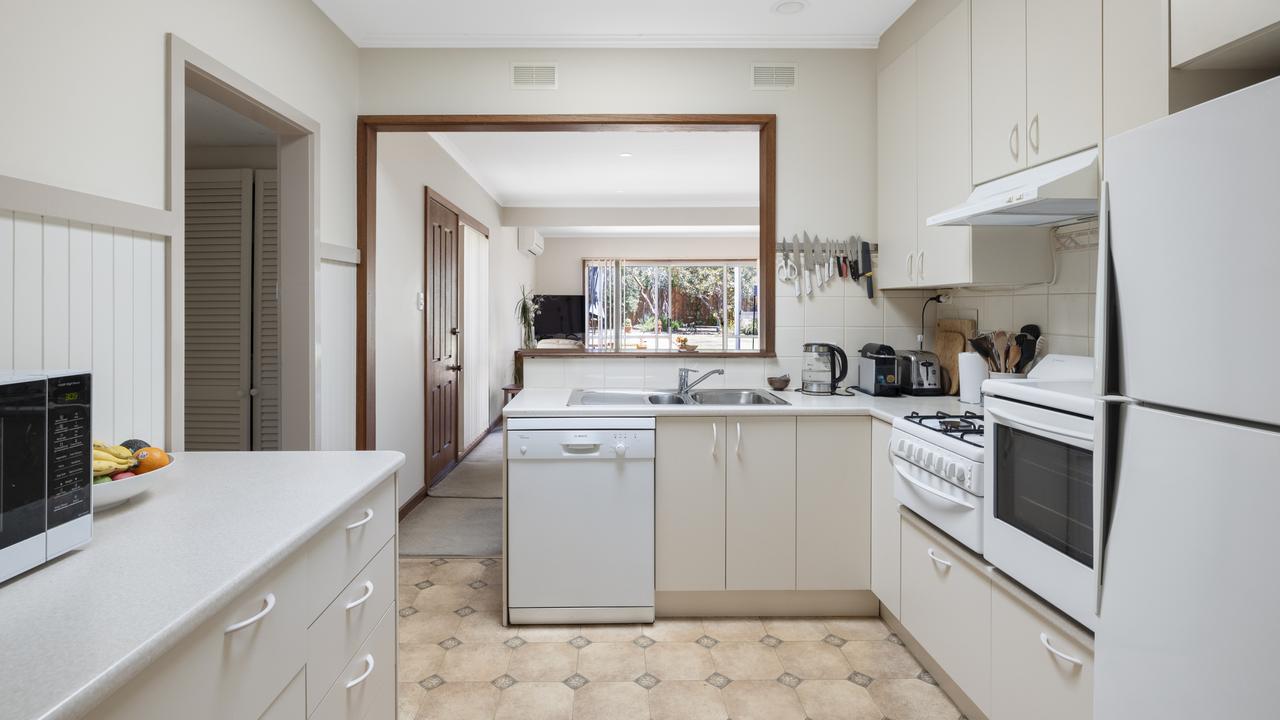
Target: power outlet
422	301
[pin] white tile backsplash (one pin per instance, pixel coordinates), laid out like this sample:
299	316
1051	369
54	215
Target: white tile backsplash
1068	315
824	312
622	372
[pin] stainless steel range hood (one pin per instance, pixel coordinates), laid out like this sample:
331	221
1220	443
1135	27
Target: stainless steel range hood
1054	193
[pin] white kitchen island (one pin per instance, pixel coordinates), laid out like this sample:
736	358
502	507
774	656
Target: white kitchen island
148	620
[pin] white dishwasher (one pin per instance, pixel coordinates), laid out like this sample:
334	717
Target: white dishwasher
580	520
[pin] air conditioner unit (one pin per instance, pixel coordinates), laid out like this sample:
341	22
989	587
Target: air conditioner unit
529	240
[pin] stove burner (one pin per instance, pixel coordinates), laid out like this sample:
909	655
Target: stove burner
957	426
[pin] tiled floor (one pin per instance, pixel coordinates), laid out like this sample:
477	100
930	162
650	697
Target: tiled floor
457	662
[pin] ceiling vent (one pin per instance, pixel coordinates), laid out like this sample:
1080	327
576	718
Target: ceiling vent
773	76
534	76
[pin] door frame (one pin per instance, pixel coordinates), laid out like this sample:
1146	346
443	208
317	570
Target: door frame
299	199
369	126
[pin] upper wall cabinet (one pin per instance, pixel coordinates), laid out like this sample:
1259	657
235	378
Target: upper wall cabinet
1037	82
896	172
1224	34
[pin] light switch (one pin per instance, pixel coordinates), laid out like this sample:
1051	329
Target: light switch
422	300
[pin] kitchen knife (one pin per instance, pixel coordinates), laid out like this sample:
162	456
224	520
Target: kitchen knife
831	258
796	277
864	249
806	263
822	260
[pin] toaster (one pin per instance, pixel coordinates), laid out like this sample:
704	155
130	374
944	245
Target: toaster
919	373
878	370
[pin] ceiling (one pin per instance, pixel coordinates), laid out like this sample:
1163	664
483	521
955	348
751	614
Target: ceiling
209	122
586	169
614	23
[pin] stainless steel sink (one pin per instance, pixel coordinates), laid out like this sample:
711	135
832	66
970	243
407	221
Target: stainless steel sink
666	398
736	397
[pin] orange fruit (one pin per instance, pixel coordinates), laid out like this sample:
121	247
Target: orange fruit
150	458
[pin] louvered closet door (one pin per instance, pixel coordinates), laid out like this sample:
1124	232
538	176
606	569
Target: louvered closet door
219	242
265	393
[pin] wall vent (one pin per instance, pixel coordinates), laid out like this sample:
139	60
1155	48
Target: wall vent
534	76
773	76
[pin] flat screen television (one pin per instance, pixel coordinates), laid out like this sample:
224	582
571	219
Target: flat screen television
560	316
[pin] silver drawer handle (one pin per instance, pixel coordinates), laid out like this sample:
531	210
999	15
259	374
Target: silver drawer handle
270	601
1044	640
934	556
368	515
368	593
368	670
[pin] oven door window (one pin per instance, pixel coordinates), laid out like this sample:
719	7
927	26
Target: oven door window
1045	489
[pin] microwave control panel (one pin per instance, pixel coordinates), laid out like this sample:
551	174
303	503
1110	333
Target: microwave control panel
70	469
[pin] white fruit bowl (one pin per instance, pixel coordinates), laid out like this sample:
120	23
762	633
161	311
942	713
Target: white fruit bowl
110	494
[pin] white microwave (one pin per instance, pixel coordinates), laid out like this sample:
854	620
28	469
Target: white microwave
46	467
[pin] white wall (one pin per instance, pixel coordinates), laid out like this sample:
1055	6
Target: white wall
407	164
85	86
558	270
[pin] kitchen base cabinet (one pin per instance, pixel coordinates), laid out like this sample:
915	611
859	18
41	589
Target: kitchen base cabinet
1036	670
689	513
760	504
833	503
886	532
946	604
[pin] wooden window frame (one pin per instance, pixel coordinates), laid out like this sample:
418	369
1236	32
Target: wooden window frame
369	126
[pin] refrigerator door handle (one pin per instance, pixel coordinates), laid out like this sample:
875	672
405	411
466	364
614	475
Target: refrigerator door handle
1102	311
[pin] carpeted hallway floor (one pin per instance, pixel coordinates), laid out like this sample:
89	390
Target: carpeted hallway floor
462	514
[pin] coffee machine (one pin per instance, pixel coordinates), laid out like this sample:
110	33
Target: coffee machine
878	370
825	365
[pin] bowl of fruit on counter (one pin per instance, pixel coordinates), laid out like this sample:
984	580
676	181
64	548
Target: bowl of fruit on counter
123	471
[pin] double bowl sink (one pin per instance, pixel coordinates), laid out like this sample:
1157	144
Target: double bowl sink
671	397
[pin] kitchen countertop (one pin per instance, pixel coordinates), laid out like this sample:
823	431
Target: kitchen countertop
546	402
77	629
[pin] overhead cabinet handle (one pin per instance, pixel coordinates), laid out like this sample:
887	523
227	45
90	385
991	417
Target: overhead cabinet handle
911	260
1013	141
1033	134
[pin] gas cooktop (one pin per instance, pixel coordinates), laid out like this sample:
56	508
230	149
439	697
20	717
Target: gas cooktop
966	428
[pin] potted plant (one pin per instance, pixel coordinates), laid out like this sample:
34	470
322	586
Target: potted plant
526	310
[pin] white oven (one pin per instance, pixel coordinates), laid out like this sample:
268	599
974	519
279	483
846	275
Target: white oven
1042	510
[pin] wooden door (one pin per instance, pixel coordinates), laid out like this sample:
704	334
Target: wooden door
760	503
1064	77
689	475
896	172
833	503
999	44
441	318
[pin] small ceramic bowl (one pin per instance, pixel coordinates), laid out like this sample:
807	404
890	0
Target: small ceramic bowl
110	494
780	382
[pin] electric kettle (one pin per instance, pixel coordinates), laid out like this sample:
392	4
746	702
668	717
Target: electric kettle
825	365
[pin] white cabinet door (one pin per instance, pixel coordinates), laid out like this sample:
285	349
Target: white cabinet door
943	144
833	503
1028	678
1200	27
896	172
886	537
760	503
1064	77
999	88
689	474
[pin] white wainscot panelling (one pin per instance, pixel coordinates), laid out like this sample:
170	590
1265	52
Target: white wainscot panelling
337	356
88	297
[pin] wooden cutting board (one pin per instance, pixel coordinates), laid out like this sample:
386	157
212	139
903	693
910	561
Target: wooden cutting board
951	339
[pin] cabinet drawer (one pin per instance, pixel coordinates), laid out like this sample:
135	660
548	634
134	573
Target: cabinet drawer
366	687
946	605
1028	679
348	544
290	704
222	672
337	634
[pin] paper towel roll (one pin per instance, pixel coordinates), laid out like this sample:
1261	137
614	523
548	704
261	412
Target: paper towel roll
973	370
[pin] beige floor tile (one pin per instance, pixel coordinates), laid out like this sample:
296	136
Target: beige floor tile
415	570
405	595
671	661
610	701
795	629
427	628
881	659
858	628
549	633
734	629
456	572
550	662
837	700
686	700
675	630
536	701
763	700
611	633
488	599
912	699
813	660
408	699
459	701
746	661
611	662
475	662
419	661
483	626
443	598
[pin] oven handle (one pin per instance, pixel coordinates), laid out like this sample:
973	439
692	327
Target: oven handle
930	490
1014	419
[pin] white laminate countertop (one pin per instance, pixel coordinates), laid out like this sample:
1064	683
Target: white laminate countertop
540	402
77	629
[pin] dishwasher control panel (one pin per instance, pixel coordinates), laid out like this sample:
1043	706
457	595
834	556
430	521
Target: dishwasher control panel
587	444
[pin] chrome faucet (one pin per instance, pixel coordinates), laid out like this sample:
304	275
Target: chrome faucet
685	386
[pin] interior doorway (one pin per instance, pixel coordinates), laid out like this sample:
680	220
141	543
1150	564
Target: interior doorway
443	331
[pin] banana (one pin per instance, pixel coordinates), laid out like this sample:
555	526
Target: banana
102	456
120	452
102	467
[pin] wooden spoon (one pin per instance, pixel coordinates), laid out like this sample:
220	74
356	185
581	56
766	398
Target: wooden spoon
1015	356
1000	343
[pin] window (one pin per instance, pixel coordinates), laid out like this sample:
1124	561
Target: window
638	306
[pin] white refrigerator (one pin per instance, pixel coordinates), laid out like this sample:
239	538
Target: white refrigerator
1188	353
